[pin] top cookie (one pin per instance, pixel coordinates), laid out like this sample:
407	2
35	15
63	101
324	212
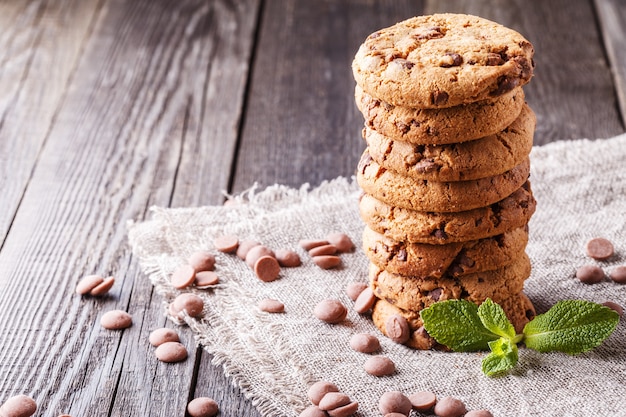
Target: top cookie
442	60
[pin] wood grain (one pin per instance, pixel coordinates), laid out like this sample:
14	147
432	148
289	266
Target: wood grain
572	91
37	60
134	110
301	123
612	16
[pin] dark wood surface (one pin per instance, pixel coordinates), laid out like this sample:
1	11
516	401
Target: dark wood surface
108	107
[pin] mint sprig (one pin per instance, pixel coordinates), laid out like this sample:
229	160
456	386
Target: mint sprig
570	326
457	325
503	357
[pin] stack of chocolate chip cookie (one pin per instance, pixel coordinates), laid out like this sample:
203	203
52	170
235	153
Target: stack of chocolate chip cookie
445	175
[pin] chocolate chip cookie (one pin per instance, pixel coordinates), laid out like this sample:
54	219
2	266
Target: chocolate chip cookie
454	259
485	157
518	308
440	228
417	293
440	126
442	60
423	195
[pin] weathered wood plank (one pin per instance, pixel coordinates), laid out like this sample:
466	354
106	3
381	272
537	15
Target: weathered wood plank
572	91
139	104
37	60
301	122
612	17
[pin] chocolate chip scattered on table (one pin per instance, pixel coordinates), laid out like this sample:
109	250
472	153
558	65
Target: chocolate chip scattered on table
330	311
190	303
95	285
450	407
328	401
18	406
590	274
162	335
202	407
600	249
270	305
364	343
116	320
170	352
394	402
618	274
379	366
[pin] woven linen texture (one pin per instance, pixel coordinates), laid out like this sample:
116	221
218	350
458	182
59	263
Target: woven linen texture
580	187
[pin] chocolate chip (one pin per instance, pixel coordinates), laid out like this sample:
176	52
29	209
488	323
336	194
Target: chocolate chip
353	289
590	274
365	301
423	401
333	400
103	287
288	258
440	234
397	328
505	84
494	60
618	274
170	352
427	165
394	402
162	335
308	244
526	67
401	255
600	249
202	261
327	261
341	241
345	410
450	407
407	65
402	127
435	294
431	33
387	106
226	243
317	391
364	343
379	366
270	305
451	59
439	98
18	406
330	311
116	320
202	407
267	268
425	340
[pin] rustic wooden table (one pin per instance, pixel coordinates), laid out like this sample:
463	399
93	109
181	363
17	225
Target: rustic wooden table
108	107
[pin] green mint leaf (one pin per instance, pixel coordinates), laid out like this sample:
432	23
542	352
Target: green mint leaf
495	320
503	357
455	324
570	326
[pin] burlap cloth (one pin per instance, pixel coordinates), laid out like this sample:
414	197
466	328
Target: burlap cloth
581	191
